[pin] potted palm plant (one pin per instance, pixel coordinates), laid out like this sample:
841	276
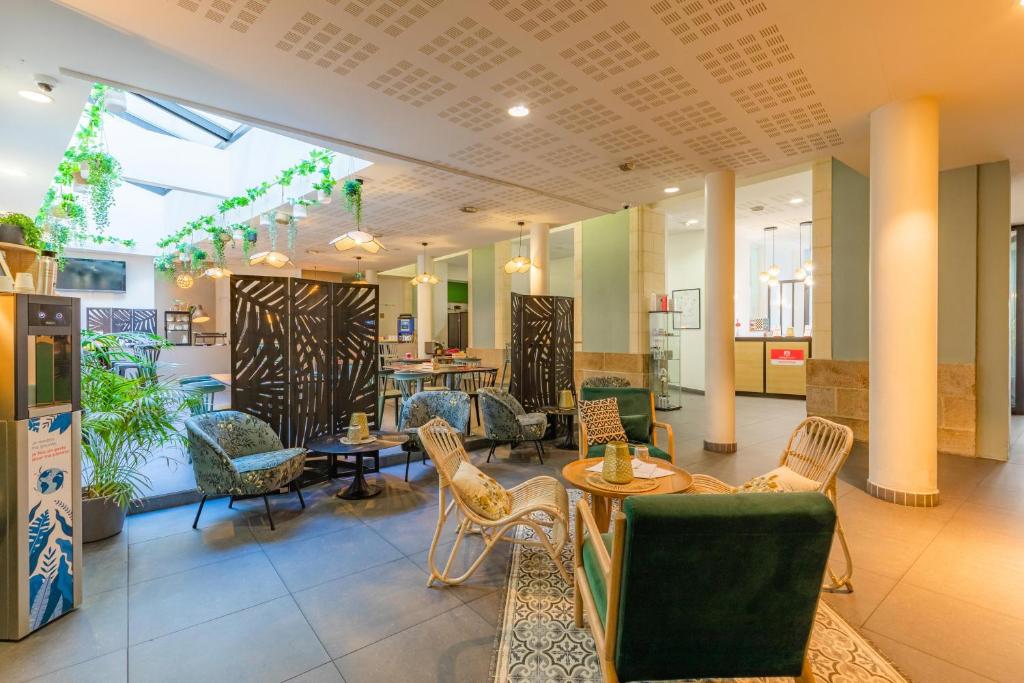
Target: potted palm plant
126	423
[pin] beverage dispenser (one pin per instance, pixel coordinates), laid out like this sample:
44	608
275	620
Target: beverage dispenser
40	469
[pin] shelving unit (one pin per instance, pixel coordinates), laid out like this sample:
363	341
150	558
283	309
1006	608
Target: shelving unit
178	327
665	360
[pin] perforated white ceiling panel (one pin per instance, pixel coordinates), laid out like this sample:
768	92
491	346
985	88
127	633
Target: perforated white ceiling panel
679	87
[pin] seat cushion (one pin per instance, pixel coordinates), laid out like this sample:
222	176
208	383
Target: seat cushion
602	420
265	461
597	451
781	479
534	425
482	494
637	427
595	579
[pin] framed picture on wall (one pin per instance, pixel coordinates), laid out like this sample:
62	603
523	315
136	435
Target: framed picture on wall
686	307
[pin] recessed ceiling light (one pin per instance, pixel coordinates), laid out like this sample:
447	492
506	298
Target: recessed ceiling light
671	190
757	207
35	96
13	172
519	110
313	252
692	221
469	209
800	200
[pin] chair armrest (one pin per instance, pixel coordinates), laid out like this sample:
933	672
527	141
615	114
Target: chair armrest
671	438
705	483
582	444
604	560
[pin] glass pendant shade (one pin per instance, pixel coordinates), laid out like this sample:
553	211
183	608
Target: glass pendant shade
809	281
511	267
774	270
809	266
371	247
799	274
184	280
763	276
343	243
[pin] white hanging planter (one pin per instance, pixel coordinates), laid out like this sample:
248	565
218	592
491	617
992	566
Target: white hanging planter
299	211
83	171
264	220
323	197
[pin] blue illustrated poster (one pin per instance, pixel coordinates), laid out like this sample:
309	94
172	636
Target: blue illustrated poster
50	519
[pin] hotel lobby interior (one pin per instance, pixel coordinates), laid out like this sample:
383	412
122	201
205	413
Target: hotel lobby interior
540	341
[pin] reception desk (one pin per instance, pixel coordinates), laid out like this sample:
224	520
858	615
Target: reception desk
772	366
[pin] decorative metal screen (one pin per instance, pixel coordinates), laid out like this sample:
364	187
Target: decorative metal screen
303	353
542	349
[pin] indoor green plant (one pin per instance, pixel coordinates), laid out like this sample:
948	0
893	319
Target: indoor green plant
20	229
125	422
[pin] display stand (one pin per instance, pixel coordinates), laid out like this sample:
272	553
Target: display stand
665	357
178	327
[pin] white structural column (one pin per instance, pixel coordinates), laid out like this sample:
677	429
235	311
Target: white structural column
540	274
424	306
370	276
719	341
903	341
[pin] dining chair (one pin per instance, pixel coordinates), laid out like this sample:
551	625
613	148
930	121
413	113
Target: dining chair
407	384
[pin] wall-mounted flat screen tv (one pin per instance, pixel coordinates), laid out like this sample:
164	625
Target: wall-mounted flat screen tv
92	275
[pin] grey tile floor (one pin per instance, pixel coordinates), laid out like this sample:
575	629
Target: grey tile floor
338	591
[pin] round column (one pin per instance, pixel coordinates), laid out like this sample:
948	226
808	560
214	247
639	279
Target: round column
370	276
540	274
424	306
903	338
719	339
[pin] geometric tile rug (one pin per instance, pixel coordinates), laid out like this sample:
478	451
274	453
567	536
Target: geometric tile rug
539	643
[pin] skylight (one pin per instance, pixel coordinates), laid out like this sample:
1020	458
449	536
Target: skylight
178	121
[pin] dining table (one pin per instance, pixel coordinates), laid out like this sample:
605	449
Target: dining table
450	374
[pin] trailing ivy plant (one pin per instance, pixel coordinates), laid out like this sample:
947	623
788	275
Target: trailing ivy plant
353	191
104	179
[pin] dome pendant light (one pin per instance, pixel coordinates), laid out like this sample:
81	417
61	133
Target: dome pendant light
518	263
425	278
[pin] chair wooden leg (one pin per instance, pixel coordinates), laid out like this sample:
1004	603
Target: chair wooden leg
577	606
199	511
266	504
841	583
298	491
806	674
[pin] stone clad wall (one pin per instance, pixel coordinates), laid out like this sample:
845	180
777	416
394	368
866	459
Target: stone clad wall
838	390
632	366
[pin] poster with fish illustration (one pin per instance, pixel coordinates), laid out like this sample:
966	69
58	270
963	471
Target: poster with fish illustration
50	519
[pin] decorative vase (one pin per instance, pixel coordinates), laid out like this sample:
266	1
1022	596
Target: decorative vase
360	422
101	518
618	465
565	400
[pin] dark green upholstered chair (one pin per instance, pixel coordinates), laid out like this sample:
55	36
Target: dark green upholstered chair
636	410
703	586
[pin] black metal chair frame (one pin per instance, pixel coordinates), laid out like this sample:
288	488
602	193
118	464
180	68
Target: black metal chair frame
293	486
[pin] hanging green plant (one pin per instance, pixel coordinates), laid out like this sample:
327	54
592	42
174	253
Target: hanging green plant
104	179
165	265
353	191
249	237
30	232
293	231
272	233
219	243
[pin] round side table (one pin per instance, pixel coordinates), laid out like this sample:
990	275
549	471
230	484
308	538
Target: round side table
569	443
333	447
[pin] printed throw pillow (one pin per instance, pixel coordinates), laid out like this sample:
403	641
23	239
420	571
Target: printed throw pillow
602	419
482	494
779	480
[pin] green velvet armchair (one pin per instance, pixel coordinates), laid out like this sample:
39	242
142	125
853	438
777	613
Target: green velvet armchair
636	410
236	454
703	586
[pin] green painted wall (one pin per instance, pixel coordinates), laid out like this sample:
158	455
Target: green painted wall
605	283
481	317
458	292
850	263
958	245
993	346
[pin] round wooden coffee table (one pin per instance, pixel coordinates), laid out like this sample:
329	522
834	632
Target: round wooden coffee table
576	474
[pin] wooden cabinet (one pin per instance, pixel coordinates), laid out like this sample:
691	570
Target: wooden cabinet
776	366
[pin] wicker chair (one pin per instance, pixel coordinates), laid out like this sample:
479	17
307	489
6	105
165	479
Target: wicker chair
817	449
540	494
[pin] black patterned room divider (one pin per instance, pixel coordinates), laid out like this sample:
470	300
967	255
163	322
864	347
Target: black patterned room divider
303	353
541	349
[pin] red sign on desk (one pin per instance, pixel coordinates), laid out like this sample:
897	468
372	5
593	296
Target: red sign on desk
787	356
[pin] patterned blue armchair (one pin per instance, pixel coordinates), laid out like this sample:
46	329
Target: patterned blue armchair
238	455
505	421
421	408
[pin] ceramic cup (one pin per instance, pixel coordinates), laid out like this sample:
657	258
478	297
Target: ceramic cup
6	283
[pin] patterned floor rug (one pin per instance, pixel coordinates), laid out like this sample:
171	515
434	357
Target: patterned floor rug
538	642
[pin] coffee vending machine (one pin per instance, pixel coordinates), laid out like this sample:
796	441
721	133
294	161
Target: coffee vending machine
40	461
